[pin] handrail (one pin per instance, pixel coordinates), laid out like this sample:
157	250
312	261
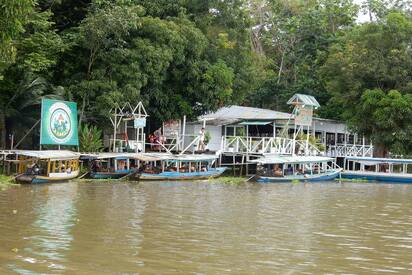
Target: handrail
260	145
196	140
342	150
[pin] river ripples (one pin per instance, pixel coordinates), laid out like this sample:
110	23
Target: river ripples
206	227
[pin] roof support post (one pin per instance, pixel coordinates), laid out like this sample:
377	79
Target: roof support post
363	146
314	129
114	129
345	141
307	142
183	134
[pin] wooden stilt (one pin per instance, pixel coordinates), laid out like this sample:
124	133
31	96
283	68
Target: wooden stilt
234	165
241	166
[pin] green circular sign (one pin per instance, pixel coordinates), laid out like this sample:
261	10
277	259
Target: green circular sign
60	124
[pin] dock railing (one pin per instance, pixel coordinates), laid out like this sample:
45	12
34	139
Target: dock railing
349	150
267	145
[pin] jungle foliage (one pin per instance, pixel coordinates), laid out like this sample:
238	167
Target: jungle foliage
90	138
189	57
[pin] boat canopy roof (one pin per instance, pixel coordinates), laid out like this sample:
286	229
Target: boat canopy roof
49	154
276	159
150	156
194	158
153	156
105	155
138	156
374	161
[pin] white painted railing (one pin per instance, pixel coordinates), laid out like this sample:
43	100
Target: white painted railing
349	150
267	145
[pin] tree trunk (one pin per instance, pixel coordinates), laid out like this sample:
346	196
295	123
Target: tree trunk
370	11
281	66
82	112
2	130
92	57
256	44
380	151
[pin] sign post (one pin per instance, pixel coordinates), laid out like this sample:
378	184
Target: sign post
58	123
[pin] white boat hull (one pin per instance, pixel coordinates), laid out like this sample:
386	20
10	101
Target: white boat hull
329	175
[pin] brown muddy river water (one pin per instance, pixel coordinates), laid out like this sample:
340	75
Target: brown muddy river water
206	228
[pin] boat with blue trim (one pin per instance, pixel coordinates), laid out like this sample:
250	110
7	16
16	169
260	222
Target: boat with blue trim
118	165
276	168
182	167
378	169
110	165
46	166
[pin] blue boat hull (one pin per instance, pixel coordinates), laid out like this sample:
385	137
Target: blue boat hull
378	177
212	173
108	175
36	180
303	178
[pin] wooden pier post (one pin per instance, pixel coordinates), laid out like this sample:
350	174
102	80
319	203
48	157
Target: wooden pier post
241	166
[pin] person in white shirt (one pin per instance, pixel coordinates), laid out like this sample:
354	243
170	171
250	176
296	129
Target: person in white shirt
202	139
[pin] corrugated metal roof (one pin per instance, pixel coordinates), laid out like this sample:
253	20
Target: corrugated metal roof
49	154
254	122
274	159
304	99
236	113
194	157
151	156
139	156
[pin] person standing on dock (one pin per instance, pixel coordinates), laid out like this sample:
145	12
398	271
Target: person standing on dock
158	139
202	139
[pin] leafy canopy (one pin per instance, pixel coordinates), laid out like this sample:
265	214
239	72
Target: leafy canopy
364	67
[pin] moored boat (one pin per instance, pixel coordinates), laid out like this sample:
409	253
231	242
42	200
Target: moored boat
378	169
275	168
110	165
46	166
182	167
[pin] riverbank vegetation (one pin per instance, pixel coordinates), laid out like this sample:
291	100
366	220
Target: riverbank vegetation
190	57
6	182
232	180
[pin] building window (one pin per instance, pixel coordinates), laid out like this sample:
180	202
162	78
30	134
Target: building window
230	130
238	131
341	138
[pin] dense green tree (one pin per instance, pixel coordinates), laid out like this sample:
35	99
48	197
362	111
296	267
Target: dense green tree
387	121
13	15
379	9
227	26
296	37
22	107
125	55
38	49
102	33
371	56
66	13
